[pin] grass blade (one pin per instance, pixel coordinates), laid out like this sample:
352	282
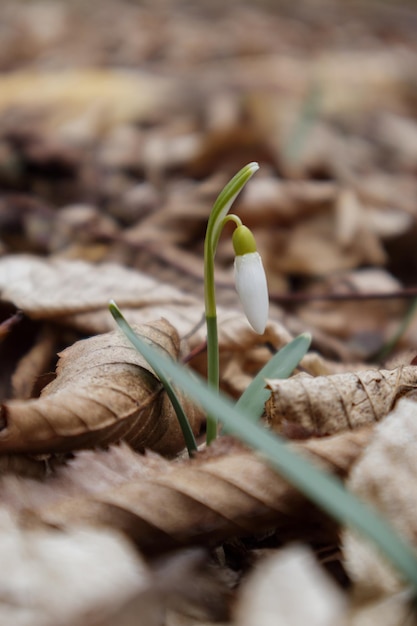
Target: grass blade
281	365
187	431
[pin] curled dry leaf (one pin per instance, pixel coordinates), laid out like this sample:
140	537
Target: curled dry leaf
227	491
104	391
77	293
385	477
329	404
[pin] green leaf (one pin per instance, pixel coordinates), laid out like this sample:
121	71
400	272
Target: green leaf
325	490
281	365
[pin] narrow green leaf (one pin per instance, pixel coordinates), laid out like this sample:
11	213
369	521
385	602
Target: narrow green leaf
324	489
187	431
281	365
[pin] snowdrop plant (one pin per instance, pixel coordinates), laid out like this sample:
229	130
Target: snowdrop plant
252	288
241	418
249	275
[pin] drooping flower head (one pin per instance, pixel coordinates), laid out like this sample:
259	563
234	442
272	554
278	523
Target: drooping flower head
250	278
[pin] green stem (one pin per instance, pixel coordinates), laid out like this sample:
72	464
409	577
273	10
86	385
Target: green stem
214	227
212	372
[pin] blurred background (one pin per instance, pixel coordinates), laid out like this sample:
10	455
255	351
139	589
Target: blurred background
121	121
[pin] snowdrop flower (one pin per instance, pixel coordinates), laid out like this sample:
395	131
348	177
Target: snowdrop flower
250	279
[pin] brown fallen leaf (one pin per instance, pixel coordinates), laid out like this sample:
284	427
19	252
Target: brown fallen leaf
227	491
77	293
386	610
50	289
82	102
56	578
24	465
104	391
365	325
385	477
7	325
33	364
329	404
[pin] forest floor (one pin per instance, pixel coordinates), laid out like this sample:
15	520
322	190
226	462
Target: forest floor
120	122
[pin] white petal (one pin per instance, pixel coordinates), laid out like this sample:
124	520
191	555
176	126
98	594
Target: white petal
252	289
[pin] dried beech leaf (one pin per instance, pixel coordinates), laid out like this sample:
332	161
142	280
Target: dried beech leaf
385	477
391	610
50	289
225	492
33	364
329	404
57	579
289	588
23	465
104	392
92	100
77	293
366	328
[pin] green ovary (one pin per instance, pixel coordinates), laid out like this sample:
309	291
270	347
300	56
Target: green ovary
243	241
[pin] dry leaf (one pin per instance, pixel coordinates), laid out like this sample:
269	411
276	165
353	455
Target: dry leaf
33	364
225	492
57	579
289	588
366	325
314	249
329	404
7	325
354	318
104	392
391	610
385	477
50	289
269	202
24	465
77	293
82	102
185	582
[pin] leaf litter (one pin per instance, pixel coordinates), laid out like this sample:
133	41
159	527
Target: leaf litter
113	145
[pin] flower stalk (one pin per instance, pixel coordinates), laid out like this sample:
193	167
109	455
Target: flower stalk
215	225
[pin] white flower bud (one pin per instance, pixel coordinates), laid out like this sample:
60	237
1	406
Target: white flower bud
252	288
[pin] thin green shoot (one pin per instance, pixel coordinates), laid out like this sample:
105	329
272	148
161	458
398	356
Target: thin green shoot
389	346
307	117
